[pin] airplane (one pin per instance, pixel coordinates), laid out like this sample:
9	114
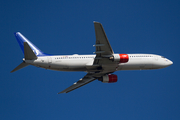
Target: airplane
98	66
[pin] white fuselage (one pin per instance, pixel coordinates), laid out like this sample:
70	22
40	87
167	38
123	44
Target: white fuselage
81	62
99	66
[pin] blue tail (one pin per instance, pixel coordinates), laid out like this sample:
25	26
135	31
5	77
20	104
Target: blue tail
21	39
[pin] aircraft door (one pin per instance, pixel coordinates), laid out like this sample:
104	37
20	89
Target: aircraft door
49	60
156	58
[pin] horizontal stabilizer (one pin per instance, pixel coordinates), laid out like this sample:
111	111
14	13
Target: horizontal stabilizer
22	65
28	53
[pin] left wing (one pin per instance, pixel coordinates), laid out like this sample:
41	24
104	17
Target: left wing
83	81
103	48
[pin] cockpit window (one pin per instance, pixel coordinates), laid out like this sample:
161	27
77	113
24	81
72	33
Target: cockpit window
162	56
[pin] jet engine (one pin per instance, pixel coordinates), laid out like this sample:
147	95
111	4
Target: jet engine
121	58
110	78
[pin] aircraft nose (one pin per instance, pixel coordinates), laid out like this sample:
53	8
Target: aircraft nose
169	62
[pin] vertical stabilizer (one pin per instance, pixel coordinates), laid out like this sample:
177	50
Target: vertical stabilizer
21	39
31	52
28	53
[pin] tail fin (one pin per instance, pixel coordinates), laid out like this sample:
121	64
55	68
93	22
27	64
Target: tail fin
28	52
28	55
31	52
21	39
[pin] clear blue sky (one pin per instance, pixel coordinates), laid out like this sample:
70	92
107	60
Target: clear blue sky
66	27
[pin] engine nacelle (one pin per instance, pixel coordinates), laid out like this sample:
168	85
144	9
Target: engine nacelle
111	78
121	58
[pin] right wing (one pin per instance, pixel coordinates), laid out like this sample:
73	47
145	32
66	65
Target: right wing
83	81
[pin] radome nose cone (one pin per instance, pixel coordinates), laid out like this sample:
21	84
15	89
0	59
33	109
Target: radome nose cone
170	62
